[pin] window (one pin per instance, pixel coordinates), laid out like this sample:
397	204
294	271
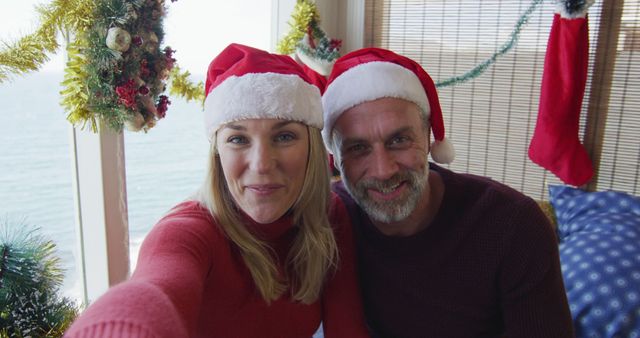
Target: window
491	118
617	110
35	170
167	164
163	166
35	166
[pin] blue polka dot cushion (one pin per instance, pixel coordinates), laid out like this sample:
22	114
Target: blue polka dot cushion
600	254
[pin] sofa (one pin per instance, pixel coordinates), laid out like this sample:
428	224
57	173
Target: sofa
599	244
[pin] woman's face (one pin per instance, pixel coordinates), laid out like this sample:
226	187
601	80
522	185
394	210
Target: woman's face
264	163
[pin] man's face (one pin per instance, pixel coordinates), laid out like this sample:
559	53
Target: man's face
383	147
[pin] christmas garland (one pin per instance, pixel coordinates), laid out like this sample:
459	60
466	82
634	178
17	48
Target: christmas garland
571	7
304	13
504	49
30	278
308	41
181	86
116	69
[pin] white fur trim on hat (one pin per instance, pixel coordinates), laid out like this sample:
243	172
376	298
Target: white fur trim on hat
262	95
367	82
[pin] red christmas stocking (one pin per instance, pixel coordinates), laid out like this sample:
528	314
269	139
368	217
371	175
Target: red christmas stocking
555	144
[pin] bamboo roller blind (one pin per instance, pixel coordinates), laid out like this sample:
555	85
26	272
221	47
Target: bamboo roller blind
490	119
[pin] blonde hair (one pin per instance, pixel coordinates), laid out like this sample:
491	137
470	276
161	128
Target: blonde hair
314	250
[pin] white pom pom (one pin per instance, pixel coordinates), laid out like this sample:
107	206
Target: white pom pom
442	151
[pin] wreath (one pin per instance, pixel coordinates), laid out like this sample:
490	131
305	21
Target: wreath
117	68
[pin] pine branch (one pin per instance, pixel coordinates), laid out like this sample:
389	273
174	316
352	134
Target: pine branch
30	278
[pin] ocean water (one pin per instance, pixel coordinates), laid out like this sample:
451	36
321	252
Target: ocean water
163	166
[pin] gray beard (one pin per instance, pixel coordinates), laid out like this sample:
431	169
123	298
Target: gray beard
389	211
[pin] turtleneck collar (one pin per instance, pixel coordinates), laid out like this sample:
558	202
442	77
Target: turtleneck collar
269	231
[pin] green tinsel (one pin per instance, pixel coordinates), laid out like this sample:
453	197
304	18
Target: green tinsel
482	67
30	278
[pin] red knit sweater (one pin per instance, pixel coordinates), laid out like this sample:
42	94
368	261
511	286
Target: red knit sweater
191	282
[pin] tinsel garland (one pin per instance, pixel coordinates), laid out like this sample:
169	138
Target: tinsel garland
304	13
308	41
75	96
30	278
30	52
506	47
183	87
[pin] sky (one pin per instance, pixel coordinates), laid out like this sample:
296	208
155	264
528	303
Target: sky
197	29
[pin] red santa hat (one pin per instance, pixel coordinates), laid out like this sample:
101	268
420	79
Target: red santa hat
372	73
248	83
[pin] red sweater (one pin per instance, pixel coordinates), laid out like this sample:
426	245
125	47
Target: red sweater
191	282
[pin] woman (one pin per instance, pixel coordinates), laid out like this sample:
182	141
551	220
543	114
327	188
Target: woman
254	255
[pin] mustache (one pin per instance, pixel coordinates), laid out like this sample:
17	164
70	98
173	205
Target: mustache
372	183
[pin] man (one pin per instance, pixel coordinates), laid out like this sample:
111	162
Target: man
440	254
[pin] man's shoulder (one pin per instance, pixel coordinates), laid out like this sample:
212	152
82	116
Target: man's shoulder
489	200
478	188
337	186
353	210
